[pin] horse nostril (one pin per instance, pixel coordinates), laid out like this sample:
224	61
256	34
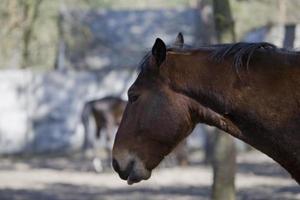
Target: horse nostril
123	173
116	165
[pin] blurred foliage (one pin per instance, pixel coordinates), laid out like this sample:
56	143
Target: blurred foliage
29	31
141	4
250	14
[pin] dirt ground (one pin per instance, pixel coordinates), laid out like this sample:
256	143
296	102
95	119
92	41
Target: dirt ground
258	177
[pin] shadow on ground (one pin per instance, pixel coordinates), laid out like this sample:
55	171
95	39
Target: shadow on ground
263	169
76	162
262	192
75	192
80	191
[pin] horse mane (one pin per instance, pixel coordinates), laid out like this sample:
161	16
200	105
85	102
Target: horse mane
241	52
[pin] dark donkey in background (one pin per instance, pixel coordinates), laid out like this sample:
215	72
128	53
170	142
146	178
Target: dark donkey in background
250	90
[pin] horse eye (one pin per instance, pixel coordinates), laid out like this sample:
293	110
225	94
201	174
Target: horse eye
133	97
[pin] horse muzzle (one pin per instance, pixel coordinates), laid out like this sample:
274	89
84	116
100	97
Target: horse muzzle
131	169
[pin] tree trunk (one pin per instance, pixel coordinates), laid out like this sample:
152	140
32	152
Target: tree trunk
205	28
224	165
224	158
282	12
30	10
224	23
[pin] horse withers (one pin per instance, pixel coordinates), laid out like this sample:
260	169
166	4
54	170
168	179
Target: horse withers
250	90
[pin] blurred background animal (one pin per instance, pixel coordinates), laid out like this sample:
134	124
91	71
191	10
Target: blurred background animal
106	114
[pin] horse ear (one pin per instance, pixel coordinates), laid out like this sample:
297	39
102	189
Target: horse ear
179	40
159	51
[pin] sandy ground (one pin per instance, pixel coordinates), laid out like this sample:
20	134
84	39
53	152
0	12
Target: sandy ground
73	179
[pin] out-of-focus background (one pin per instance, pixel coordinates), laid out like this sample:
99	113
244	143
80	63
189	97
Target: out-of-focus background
65	67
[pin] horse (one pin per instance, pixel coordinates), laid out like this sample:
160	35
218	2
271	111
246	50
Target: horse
249	90
107	113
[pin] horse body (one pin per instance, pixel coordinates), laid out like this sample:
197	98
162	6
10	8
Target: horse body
251	91
262	102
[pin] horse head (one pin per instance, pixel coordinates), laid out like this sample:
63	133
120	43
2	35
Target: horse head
155	120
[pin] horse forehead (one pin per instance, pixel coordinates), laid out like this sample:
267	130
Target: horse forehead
144	83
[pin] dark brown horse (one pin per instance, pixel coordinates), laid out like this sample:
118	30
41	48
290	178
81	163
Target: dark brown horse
106	112
250	90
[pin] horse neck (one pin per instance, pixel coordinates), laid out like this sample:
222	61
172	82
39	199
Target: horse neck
201	78
264	104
